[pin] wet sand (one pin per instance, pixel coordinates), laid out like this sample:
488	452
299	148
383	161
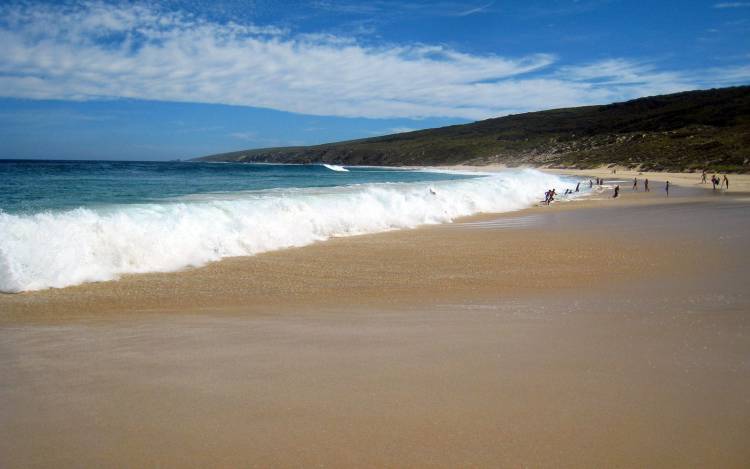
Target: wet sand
602	333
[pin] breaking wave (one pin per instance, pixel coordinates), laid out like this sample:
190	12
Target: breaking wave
335	167
59	249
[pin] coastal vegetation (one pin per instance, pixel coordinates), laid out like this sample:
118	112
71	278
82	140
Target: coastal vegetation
688	131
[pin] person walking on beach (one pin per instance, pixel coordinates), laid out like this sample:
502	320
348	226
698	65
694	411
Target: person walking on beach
714	181
617	192
645	185
666	188
635	184
726	181
703	177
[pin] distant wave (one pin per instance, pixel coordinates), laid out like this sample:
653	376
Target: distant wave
334	167
58	249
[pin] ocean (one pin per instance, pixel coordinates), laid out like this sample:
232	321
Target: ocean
64	223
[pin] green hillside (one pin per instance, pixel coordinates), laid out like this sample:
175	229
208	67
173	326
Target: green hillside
683	131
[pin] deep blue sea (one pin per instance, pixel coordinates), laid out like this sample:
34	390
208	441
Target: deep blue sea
64	223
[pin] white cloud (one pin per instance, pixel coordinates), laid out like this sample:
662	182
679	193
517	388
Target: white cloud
401	130
614	79
732	5
472	11
730	75
393	130
96	50
247	136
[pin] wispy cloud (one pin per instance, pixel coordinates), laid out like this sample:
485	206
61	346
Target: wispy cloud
732	5
392	130
725	76
247	136
401	130
96	50
472	11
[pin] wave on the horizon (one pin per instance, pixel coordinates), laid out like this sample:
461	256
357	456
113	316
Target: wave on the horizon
63	248
335	167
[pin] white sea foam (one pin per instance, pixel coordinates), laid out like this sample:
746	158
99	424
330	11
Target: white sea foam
58	249
335	167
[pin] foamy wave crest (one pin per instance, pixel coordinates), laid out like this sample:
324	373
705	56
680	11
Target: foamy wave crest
58	249
335	167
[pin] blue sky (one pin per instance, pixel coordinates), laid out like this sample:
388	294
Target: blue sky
179	79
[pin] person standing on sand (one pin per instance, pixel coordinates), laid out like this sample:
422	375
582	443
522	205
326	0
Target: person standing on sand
645	185
635	184
726	181
703	177
666	188
617	192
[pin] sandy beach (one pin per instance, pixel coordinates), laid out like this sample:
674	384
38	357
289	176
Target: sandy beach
584	334
739	183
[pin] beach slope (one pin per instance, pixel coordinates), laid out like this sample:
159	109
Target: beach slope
601	333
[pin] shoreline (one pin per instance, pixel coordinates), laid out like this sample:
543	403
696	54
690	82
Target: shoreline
145	292
739	182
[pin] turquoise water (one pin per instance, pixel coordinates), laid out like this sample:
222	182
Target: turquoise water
28	186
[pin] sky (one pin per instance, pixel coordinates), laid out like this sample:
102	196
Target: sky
181	79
